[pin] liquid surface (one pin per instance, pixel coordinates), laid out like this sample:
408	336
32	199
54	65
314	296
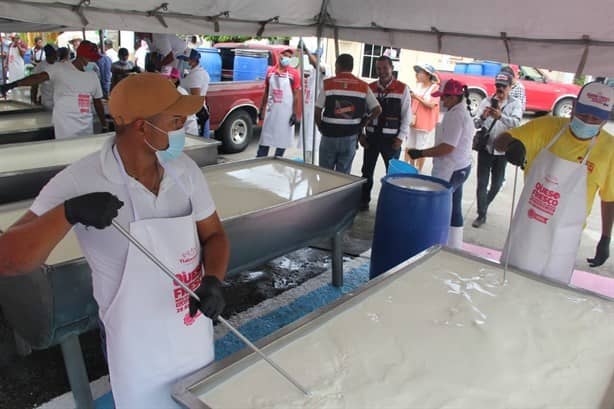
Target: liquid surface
240	189
445	335
20	157
417	184
21	122
7	106
236	190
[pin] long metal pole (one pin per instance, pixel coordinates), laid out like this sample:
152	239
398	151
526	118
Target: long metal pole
316	90
302	127
170	274
509	236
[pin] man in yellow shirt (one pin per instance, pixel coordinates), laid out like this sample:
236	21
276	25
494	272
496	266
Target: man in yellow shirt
564	160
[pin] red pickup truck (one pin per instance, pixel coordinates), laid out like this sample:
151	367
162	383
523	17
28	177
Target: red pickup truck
542	94
233	105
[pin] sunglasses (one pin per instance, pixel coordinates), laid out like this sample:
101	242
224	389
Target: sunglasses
500	86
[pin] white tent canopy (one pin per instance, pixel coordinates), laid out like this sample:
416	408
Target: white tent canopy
569	36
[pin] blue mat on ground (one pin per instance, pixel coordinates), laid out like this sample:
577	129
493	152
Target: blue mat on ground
303	305
267	324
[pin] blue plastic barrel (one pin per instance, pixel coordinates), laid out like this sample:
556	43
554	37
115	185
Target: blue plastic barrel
413	214
211	61
475	69
491	68
250	65
460	68
396	166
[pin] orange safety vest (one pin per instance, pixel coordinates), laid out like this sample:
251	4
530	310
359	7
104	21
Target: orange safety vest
388	124
345	105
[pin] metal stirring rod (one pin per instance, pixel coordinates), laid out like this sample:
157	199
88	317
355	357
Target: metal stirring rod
509	238
170	274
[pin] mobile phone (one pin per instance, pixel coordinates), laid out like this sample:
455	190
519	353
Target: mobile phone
494	103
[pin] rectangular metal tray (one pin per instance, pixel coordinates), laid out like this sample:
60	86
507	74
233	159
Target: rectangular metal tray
185	390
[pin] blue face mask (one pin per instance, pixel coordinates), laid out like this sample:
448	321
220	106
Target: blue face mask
176	142
285	61
583	130
89	67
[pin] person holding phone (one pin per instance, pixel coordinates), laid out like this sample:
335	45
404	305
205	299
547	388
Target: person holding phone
496	114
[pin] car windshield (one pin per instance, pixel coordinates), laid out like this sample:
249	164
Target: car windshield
531	74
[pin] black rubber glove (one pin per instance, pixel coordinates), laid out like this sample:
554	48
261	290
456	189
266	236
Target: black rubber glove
293	120
93	209
516	153
414	153
211	298
601	254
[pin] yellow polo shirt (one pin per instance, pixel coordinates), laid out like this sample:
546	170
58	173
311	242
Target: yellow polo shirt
536	134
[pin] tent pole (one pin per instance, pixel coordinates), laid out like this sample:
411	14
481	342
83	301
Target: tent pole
336	34
315	98
582	62
302	127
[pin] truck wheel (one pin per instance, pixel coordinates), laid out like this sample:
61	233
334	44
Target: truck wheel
563	108
236	132
475	99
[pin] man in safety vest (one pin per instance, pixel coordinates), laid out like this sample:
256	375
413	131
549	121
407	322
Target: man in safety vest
345	106
155	332
567	161
386	133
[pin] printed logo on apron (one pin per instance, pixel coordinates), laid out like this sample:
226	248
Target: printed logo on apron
278	95
84	103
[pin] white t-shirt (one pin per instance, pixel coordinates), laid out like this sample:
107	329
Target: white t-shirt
112	54
106	250
456	129
73	93
197	78
165	43
45	89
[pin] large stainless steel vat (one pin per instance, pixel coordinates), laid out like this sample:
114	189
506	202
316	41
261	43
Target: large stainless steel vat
268	206
26	167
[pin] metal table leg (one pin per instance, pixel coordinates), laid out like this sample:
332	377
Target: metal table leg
77	375
338	259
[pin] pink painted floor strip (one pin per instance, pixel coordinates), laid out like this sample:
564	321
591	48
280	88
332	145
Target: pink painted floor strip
583	279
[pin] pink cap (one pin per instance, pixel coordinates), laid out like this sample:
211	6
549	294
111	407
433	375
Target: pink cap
451	87
171	72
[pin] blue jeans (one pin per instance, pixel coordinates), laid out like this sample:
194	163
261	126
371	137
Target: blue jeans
264	151
337	153
456	180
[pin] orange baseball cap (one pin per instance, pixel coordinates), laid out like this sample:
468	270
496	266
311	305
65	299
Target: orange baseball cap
144	95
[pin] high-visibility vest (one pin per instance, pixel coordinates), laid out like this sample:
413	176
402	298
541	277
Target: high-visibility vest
345	105
388	123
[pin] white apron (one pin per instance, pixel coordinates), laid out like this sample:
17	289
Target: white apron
72	115
17	67
276	129
548	222
309	88
151	339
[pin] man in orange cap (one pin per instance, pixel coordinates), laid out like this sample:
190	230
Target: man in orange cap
75	88
155	333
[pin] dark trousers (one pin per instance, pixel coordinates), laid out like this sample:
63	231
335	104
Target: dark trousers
490	168
376	146
264	151
457	180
